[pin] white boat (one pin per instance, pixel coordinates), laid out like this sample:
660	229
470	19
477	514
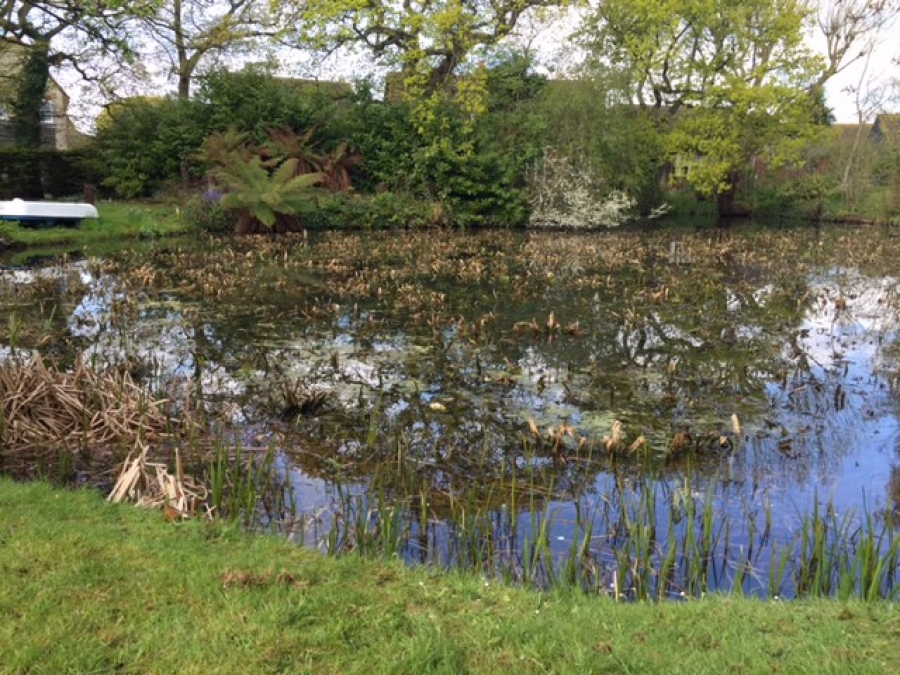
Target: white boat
22	211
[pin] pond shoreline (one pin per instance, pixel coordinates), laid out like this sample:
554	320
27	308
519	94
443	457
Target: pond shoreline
88	586
140	220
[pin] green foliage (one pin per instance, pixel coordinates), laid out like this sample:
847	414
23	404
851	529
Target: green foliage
390	210
731	76
802	195
386	140
60	173
474	187
30	88
473	166
254	101
205	213
262	197
382	211
430	43
147	143
150	144
621	146
118	222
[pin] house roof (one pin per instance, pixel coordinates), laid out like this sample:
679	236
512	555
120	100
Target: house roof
887	127
847	132
333	88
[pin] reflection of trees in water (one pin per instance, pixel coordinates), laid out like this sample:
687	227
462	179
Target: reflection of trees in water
665	347
436	364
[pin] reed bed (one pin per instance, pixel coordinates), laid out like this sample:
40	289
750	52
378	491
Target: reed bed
152	485
642	541
46	410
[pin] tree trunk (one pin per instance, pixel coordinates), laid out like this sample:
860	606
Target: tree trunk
726	200
184	86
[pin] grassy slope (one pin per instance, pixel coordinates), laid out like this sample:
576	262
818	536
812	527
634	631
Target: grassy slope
86	587
118	220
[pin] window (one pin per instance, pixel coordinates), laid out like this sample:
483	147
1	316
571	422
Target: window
47	113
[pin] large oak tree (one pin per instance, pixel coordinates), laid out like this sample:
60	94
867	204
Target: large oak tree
730	79
427	39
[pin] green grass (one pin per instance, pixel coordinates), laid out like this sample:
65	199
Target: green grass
88	587
117	221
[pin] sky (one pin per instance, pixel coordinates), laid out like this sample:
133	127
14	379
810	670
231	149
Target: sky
868	76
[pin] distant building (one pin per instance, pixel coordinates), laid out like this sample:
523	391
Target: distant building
329	88
887	128
57	130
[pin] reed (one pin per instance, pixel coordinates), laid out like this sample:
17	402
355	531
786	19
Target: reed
643	540
640	558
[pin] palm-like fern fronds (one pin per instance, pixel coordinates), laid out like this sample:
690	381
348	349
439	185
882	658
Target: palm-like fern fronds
265	195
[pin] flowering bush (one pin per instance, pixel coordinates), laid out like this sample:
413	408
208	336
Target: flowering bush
566	196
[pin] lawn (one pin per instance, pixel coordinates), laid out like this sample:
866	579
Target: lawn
90	587
117	221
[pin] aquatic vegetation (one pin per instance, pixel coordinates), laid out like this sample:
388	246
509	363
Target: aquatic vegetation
46	410
565	408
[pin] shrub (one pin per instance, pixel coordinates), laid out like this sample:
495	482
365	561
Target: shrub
60	173
204	212
567	196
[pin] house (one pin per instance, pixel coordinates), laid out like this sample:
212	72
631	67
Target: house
57	129
887	129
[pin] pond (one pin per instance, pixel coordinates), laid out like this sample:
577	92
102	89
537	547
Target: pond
645	413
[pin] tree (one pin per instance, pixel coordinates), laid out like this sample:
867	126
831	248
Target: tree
427	40
729	79
189	32
29	86
851	29
145	144
55	34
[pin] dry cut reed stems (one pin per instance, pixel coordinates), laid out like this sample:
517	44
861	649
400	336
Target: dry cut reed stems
152	485
44	410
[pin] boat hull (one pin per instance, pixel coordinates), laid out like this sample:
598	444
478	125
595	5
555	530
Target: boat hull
22	211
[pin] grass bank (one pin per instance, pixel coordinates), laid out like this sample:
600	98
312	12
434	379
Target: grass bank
88	587
117	221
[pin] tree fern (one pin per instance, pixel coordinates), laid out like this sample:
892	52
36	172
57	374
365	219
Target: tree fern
264	195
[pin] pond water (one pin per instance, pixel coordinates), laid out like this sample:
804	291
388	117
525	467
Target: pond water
652	412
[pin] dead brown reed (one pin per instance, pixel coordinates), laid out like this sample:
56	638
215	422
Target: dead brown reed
44	410
151	484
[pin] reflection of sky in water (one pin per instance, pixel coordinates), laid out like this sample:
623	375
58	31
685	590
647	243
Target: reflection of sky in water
831	433
844	398
850	320
830	430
